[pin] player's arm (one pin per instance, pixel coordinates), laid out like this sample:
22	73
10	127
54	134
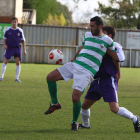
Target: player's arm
80	48
23	41
24	46
112	54
4	42
117	65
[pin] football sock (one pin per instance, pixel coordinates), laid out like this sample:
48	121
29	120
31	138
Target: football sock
52	86
18	69
76	111
127	114
3	69
85	114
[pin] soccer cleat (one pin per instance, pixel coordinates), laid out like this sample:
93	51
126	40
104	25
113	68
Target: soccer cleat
52	108
74	126
81	126
1	79
17	80
137	125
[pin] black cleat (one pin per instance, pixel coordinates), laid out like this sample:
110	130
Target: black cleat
137	125
52	108
81	126
74	126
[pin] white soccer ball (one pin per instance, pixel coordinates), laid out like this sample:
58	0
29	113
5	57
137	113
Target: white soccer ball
55	57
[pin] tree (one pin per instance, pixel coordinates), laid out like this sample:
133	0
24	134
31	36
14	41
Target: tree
55	20
120	13
46	7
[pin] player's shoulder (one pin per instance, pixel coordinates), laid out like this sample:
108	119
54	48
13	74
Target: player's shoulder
88	34
117	46
107	39
18	28
7	29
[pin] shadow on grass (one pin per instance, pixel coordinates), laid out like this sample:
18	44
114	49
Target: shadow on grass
36	131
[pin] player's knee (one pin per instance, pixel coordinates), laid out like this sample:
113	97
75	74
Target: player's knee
84	106
75	99
49	77
114	110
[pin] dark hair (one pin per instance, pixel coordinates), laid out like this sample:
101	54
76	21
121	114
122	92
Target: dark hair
14	18
98	20
110	30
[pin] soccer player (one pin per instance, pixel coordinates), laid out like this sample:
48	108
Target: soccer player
105	84
12	38
85	65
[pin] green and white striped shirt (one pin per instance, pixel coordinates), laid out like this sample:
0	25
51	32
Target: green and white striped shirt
94	48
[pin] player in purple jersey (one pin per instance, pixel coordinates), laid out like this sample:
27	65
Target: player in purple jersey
12	38
105	85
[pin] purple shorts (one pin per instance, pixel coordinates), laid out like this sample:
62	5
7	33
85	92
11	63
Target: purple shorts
106	88
11	51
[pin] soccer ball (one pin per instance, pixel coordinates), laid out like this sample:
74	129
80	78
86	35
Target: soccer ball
55	57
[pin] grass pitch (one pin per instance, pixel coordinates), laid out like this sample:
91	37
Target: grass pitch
22	107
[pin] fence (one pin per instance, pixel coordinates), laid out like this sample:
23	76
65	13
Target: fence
39	54
41	39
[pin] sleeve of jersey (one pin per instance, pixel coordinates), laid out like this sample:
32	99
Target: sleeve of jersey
5	35
112	47
22	36
120	54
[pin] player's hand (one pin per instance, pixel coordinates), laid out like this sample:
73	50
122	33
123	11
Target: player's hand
25	52
5	47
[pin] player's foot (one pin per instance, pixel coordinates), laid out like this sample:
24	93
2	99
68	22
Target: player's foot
74	126
17	80
137	125
81	126
52	108
1	79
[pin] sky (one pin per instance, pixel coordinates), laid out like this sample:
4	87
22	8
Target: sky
83	8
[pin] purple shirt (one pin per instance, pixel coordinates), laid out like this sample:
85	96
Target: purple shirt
13	37
107	68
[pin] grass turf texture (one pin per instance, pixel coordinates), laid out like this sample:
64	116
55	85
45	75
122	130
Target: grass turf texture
22	107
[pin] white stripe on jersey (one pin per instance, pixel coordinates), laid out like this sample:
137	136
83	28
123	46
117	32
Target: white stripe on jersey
88	43
88	62
93	53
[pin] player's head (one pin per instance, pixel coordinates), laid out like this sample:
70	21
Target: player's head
14	22
110	31
96	25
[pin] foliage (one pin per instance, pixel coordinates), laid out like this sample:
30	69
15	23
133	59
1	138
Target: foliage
46	7
55	20
120	13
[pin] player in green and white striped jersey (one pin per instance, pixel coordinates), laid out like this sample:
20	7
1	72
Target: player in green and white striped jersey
94	48
83	67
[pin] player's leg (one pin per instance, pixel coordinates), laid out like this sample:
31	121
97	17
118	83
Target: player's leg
81	81
76	108
85	113
114	107
3	68
63	72
18	69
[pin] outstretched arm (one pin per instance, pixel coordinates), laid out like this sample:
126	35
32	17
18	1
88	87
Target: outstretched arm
80	48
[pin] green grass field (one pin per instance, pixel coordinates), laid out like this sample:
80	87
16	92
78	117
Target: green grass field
22	107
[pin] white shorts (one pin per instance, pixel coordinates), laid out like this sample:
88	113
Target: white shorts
81	79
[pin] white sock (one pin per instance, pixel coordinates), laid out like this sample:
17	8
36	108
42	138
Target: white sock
3	69
18	69
85	114
127	114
